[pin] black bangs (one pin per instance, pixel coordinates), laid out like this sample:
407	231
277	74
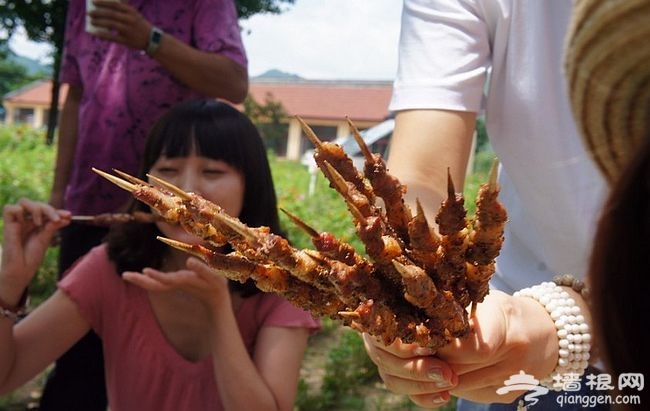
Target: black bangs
210	128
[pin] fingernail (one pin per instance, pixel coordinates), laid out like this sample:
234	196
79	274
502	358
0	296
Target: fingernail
439	400
436	375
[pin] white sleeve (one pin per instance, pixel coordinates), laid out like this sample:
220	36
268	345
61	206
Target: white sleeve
444	54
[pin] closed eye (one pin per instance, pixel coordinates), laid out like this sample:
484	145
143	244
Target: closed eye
165	170
214	171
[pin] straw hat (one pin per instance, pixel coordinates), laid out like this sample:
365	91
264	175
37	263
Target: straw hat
607	64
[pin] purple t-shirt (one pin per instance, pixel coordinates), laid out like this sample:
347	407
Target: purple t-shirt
126	91
143	371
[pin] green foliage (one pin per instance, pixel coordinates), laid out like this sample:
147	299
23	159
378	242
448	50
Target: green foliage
13	76
483	161
482	141
247	8
324	210
270	118
26	165
347	370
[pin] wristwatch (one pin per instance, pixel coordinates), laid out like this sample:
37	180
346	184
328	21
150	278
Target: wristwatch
154	40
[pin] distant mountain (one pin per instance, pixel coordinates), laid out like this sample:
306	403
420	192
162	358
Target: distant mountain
278	74
32	66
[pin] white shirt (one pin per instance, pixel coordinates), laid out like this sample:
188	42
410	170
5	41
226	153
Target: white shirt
550	186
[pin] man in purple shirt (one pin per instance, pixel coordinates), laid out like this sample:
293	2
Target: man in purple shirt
146	56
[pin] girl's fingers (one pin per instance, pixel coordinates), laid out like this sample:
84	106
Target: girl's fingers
172	278
13	213
144	281
156	280
201	269
37	212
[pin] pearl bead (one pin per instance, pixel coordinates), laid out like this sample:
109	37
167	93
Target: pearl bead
574	339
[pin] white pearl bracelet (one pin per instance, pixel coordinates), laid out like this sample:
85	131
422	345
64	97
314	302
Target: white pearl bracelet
572	331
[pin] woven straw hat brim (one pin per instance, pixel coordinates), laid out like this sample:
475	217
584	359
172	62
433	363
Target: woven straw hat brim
607	64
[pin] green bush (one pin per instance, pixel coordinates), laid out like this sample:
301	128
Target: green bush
348	368
26	165
324	210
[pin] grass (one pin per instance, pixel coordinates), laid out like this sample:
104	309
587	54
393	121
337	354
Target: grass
349	380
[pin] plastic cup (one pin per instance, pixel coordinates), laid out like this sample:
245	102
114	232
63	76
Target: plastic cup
90	6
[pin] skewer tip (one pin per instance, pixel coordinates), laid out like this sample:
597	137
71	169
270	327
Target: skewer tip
237	227
169	186
129	177
194	250
419	210
451	190
309	133
301	224
116	180
342	187
360	142
315	255
349	314
494	172
401	268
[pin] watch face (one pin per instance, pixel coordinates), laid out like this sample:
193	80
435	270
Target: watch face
156	35
154	40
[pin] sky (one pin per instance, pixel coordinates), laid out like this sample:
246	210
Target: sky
315	39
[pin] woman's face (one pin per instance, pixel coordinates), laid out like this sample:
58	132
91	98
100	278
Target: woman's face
215	180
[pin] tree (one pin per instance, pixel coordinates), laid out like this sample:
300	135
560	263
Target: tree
270	118
44	21
12	74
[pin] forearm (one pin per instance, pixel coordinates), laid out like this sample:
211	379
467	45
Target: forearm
233	365
425	144
8	352
38	340
9	300
208	73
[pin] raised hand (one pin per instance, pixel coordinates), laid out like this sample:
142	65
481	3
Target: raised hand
29	227
198	280
121	23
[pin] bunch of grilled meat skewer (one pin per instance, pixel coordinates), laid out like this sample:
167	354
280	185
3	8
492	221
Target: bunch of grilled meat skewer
414	284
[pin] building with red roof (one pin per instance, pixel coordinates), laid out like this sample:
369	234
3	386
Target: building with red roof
322	104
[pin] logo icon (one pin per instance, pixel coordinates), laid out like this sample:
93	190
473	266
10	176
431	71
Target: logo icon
524	382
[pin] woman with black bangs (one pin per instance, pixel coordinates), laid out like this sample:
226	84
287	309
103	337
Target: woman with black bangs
175	335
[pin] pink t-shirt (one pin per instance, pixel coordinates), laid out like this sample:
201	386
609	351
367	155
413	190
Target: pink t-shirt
126	91
143	371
